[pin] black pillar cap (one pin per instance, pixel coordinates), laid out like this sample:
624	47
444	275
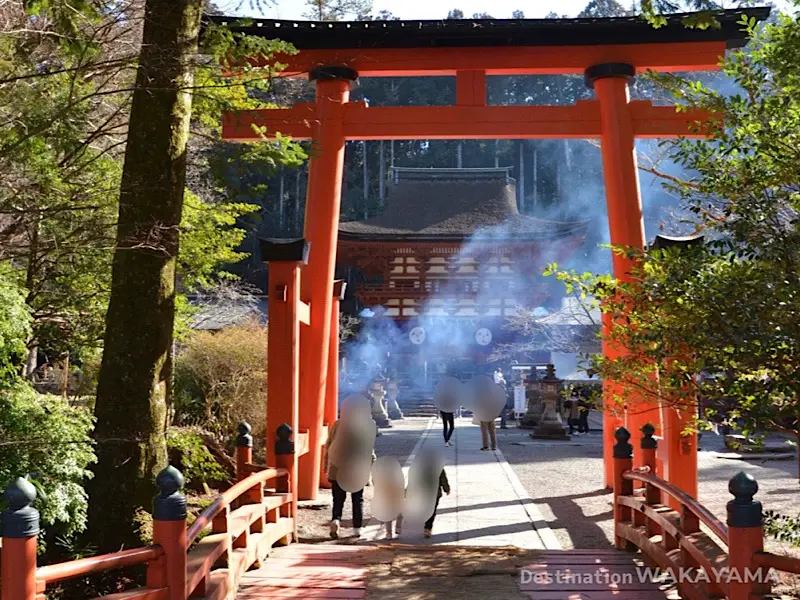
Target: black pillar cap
605	70
648	441
332	73
282	250
169	504
20	520
244	439
743	510
339	287
284	445
622	449
689	241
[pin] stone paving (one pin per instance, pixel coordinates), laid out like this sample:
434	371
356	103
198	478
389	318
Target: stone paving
487	505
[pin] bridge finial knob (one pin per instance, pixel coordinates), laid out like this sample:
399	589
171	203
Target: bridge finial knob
283	443
20	519
744	510
622	449
648	441
244	439
169	504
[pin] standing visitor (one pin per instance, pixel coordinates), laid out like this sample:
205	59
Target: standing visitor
583	414
428	478
573	412
448	424
488	434
346	449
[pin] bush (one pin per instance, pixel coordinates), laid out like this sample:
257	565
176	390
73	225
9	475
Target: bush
15	326
221	379
192	457
46	437
782	528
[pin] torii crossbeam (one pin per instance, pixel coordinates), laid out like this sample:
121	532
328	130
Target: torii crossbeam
608	52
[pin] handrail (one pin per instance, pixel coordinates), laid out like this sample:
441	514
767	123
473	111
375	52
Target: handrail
701	512
778	562
227	497
96	564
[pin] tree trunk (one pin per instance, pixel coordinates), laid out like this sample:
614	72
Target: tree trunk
297	200
535	177
281	201
382	169
366	179
521	182
131	407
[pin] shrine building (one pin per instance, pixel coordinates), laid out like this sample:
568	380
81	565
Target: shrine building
449	260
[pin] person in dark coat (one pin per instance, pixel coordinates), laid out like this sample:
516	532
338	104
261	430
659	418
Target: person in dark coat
442	485
584	405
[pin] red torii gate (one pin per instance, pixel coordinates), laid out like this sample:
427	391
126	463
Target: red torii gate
608	52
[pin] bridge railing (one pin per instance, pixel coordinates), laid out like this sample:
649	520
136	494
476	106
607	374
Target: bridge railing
245	522
704	557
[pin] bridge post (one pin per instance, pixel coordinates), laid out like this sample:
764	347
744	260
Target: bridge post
20	527
244	457
169	532
745	538
623	461
648	446
244	450
285	458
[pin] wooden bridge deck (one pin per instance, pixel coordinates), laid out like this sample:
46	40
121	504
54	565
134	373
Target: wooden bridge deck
411	573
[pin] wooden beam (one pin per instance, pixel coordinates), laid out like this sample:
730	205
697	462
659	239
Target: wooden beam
511	60
471	88
581	120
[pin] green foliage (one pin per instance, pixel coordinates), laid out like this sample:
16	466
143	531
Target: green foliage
197	463
46	438
15	329
220	379
209	239
782	527
337	10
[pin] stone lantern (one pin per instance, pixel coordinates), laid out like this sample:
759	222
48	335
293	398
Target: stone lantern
533	404
550	427
392	391
377	393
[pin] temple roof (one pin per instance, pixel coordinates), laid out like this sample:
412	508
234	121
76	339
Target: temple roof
455	205
461	33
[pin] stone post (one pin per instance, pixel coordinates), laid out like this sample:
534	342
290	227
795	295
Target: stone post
392	391
377	394
550	427
533	404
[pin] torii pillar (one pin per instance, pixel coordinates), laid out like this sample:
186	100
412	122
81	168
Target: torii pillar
323	200
332	387
610	82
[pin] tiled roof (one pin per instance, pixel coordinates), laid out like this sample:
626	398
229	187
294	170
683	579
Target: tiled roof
457	204
309	35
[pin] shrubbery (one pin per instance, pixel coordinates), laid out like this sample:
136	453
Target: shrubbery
45	437
221	379
189	453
